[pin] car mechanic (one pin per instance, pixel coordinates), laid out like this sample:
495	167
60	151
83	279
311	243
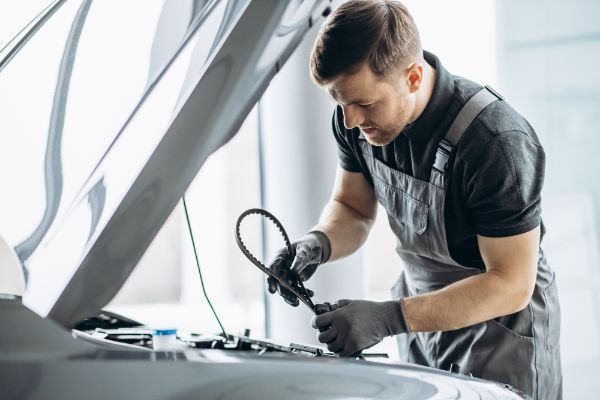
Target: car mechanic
459	173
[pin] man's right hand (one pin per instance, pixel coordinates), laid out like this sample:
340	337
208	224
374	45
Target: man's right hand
311	250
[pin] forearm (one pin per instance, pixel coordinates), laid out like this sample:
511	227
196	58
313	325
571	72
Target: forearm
346	229
466	302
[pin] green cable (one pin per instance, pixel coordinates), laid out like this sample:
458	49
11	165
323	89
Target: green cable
187	217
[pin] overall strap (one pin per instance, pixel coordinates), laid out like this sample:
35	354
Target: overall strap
472	108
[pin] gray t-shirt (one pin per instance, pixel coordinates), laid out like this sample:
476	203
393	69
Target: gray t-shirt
496	171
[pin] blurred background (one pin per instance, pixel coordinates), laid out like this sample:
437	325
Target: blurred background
541	55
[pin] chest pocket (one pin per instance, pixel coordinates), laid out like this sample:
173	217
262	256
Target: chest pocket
401	207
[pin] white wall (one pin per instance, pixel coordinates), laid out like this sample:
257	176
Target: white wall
548	56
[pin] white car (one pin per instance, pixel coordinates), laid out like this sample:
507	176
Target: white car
201	69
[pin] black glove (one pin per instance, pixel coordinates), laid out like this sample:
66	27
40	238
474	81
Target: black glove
354	325
311	250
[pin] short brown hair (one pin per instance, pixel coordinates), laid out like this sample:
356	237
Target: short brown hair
381	32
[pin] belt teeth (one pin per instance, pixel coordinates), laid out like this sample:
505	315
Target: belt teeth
238	238
267	215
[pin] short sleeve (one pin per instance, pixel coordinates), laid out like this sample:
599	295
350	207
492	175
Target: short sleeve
503	191
346	155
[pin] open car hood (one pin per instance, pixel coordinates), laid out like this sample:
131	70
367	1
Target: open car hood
195	100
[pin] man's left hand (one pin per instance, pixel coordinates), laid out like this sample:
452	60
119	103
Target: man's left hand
354	325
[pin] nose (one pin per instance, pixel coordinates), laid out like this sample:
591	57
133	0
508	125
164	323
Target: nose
353	116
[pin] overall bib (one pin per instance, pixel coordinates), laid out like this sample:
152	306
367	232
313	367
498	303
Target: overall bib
520	349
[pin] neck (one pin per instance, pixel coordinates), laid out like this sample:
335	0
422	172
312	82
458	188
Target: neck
424	95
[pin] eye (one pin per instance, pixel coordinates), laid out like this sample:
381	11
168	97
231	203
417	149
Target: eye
366	105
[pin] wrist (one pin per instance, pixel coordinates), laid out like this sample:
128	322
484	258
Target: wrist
325	243
394	314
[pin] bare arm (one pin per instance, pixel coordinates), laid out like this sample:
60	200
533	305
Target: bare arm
506	287
349	215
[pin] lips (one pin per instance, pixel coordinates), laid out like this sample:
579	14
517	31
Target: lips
369	131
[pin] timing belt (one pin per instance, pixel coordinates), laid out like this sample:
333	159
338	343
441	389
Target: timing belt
297	287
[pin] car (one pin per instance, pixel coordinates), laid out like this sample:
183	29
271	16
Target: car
107	193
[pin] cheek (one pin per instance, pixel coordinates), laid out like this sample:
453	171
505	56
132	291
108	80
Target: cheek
379	112
382	115
400	111
372	117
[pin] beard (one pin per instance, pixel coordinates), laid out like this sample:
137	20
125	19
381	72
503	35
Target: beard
383	135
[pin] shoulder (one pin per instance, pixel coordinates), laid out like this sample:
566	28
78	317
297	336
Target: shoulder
498	126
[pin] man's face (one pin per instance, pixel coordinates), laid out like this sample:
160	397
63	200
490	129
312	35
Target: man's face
381	106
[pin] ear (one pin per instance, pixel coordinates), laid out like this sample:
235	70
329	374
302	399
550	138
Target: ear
415	77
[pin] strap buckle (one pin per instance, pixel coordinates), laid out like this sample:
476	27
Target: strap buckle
442	155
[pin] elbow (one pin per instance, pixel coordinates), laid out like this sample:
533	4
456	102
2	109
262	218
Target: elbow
369	222
514	295
521	305
521	298
525	302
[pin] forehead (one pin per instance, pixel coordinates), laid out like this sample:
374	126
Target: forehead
360	85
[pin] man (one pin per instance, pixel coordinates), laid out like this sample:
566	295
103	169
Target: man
459	173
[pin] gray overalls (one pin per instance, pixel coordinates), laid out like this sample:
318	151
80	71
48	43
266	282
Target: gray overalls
520	349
